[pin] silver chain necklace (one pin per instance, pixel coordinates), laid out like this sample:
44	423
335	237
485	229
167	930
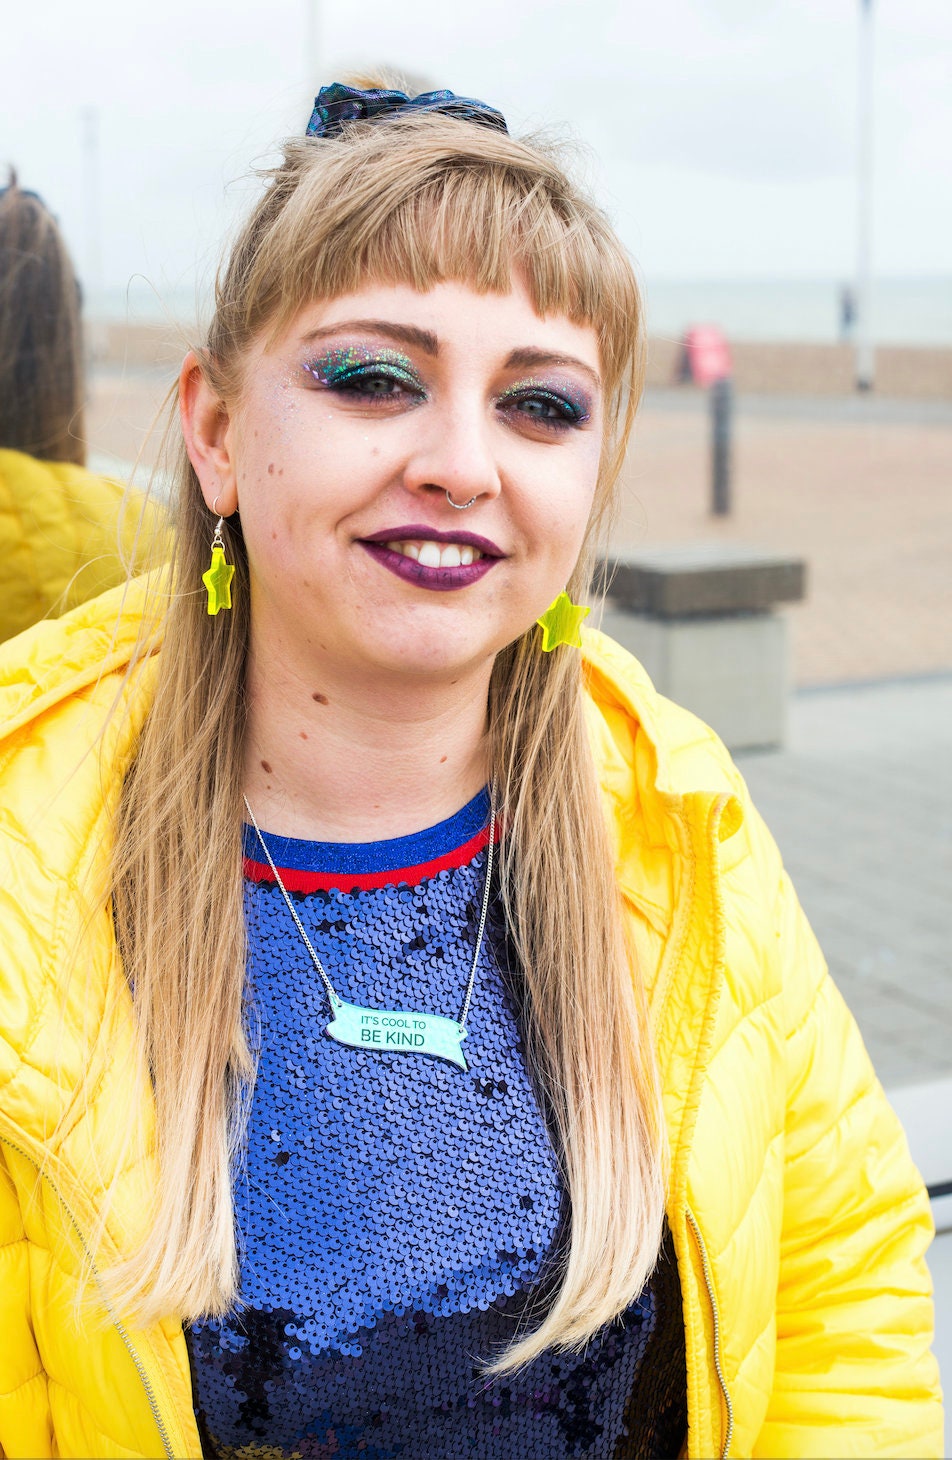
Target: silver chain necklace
395	1030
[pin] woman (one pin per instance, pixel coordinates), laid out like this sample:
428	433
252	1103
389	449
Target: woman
593	1161
65	535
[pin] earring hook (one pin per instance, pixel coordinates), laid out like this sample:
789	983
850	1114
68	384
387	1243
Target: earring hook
217	540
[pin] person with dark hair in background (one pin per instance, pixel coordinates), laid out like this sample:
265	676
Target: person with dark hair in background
66	534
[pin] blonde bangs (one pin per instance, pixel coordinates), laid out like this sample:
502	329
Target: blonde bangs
384	204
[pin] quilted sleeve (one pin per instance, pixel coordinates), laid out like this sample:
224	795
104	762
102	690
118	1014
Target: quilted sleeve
854	1372
25	1425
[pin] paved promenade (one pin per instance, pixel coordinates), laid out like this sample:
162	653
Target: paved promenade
859	488
860	802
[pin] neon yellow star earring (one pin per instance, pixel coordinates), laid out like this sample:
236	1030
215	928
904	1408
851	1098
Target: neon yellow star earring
560	624
217	578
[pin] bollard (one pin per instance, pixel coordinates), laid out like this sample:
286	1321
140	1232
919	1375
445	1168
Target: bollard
721	402
703	620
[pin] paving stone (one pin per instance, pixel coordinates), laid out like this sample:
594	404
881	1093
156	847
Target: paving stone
860	802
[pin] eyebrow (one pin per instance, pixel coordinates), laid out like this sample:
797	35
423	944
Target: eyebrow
526	358
425	340
404	334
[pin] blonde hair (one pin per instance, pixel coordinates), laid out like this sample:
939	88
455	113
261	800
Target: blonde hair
412	200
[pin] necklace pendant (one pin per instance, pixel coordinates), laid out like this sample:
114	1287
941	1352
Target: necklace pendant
397	1031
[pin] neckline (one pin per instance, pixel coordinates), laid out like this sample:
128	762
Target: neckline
307	866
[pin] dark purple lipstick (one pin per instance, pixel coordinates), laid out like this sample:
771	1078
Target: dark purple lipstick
418	532
439	580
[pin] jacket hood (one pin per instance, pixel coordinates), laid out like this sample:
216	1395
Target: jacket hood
675	753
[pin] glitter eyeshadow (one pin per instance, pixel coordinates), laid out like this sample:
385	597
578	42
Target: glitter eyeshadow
577	404
346	361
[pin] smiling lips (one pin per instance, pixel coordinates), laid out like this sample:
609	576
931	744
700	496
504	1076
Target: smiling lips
440	561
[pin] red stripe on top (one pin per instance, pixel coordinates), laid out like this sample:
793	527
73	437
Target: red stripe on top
297	881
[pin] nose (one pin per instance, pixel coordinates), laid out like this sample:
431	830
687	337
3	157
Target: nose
453	455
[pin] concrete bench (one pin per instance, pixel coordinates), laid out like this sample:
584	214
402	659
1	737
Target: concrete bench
702	619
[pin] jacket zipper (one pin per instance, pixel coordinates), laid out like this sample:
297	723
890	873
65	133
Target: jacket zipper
706	1268
117	1323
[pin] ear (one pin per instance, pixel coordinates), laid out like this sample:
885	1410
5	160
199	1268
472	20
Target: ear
209	437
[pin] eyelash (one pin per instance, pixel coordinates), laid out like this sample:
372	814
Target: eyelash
348	380
569	413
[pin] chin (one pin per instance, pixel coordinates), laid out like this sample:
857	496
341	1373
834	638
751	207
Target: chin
434	656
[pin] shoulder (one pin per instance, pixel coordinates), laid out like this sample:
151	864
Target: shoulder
665	774
33	491
20	473
66	535
635	726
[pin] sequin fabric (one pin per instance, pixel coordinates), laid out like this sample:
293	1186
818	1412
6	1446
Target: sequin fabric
397	1216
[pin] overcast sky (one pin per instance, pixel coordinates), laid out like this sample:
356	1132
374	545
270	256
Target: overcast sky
721	133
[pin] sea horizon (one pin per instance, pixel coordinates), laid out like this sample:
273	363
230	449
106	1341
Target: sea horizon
905	311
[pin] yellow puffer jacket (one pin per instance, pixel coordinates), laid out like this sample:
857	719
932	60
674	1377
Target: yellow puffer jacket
798	1219
65	537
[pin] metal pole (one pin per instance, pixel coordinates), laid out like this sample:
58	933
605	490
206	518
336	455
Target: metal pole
865	359
721	403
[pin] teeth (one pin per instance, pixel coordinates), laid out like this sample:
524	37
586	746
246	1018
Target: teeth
437	555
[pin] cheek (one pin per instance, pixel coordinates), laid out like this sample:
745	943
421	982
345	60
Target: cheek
272	506
292	510
318	464
563	502
270	542
587	490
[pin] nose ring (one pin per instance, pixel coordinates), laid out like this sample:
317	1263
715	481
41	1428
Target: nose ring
460	506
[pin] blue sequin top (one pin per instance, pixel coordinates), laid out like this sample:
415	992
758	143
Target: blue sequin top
396	1215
